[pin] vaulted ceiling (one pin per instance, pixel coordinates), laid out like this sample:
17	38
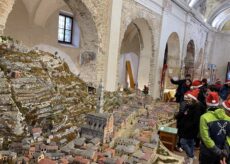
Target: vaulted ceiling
214	12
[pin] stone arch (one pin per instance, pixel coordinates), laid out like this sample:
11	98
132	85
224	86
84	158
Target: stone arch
172	59
189	58
138	30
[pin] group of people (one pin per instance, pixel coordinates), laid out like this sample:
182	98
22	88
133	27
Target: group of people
203	120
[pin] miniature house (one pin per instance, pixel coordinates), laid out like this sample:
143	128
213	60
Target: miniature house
98	125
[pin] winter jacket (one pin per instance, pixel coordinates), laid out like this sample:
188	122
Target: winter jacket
217	87
215	132
224	92
181	89
188	119
201	95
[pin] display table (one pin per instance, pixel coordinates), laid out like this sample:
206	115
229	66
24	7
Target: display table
168	137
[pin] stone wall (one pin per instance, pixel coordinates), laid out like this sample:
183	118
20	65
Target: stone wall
157	18
100	10
131	12
92	17
196	32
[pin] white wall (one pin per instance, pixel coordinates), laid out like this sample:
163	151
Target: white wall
174	20
220	54
134	60
20	27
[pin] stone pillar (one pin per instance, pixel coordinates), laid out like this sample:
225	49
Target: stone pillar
5	8
115	25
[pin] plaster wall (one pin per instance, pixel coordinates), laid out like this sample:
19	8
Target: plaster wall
21	28
5	8
134	61
173	21
196	32
146	14
40	17
156	19
220	54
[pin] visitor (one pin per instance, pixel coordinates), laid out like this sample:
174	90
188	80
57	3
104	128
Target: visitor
204	82
202	86
188	123
215	133
218	85
225	90
212	101
183	87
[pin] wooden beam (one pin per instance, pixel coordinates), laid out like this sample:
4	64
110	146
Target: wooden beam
130	74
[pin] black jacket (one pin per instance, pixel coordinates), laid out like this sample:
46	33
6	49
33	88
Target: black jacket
181	89
188	119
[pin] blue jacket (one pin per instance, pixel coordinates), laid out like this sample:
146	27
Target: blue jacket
224	92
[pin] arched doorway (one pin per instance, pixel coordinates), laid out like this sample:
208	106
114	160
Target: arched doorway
189	59
136	50
199	64
171	64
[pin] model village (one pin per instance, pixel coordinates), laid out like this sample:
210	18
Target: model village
49	115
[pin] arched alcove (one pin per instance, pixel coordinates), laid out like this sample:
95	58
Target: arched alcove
189	58
136	50
171	65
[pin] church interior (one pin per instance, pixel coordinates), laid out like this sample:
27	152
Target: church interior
97	81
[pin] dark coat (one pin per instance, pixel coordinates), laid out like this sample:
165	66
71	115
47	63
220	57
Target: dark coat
201	96
188	119
224	92
181	89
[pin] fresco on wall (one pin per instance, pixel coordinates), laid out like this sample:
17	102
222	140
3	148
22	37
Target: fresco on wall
86	57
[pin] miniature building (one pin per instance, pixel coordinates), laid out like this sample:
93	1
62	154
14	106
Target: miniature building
15	74
7	156
46	161
37	157
91	89
36	132
99	125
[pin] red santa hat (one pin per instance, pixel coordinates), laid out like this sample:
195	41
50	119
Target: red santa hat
212	99
227	82
192	94
196	84
226	104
